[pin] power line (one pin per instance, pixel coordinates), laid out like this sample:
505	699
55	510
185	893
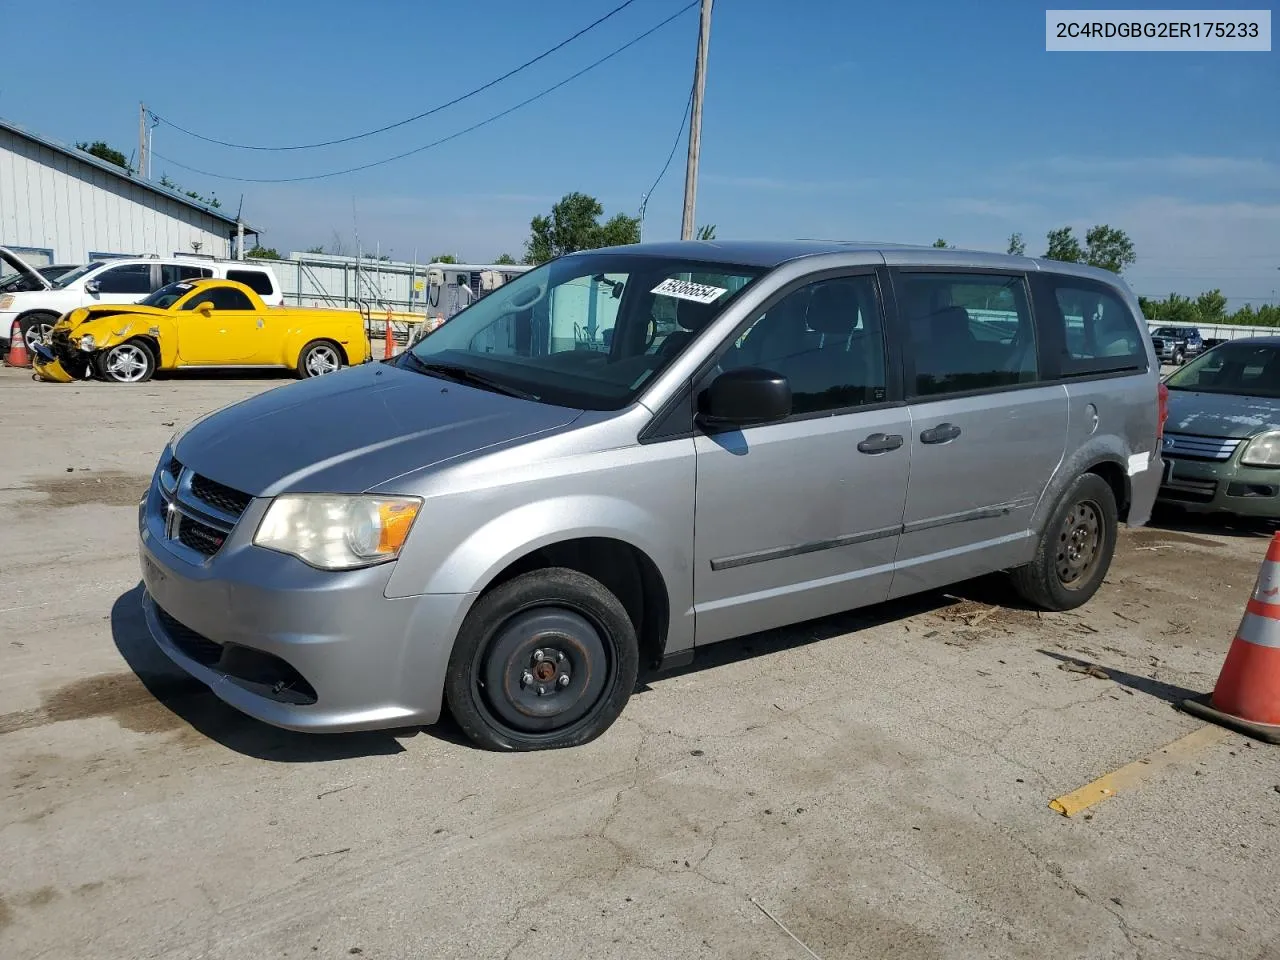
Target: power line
442	140
670	156
400	123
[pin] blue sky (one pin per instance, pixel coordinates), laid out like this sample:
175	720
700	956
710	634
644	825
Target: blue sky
892	121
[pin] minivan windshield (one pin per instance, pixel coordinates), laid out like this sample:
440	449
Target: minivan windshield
69	278
1244	369
587	330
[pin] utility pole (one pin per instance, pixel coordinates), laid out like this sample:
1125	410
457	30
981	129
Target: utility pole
142	139
695	123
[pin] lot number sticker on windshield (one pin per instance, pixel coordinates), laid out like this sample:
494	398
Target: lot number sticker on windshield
685	290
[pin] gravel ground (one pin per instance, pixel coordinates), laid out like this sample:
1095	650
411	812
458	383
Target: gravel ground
878	782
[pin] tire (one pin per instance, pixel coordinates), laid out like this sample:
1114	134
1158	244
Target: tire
36	326
1059	578
318	358
1179	358
130	362
553	630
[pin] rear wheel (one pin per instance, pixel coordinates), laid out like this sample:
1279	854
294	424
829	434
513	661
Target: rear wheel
318	358
36	328
545	660
1075	549
128	362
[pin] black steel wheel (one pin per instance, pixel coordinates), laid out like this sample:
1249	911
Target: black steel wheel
543	661
1075	549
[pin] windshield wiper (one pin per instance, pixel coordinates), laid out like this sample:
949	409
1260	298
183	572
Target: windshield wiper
465	375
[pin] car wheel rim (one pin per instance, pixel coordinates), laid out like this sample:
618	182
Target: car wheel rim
322	360
126	363
1079	544
543	670
38	333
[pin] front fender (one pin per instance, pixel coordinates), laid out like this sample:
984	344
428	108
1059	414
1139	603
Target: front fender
118	328
489	549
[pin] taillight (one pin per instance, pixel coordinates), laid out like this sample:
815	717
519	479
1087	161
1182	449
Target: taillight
1162	410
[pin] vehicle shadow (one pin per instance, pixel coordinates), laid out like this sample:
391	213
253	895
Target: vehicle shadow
1168	692
191	701
1165	517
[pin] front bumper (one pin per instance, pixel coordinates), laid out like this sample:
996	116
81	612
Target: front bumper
290	645
1204	486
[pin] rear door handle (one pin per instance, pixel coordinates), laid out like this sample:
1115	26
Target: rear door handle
942	433
880	443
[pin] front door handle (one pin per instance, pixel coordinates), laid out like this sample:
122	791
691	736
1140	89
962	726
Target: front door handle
880	443
942	433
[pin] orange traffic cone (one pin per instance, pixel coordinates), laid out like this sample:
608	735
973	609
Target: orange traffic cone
390	345
1247	695
18	356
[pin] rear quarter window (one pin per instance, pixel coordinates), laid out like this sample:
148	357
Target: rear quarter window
1094	325
258	281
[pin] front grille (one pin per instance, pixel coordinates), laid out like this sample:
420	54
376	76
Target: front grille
198	647
1187	446
199	537
1189	491
219	496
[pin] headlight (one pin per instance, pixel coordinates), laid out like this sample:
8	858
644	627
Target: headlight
87	343
1263	450
337	532
6	301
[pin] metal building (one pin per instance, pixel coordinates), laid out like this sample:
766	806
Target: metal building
62	205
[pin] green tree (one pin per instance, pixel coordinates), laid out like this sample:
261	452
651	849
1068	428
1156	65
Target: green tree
941	244
444	258
318	248
1017	246
1109	248
259	252
1064	246
1211	306
707	231
104	151
504	259
209	201
574	224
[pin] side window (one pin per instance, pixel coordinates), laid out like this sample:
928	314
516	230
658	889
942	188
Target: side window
172	273
826	339
968	331
1100	332
256	280
132	278
222	298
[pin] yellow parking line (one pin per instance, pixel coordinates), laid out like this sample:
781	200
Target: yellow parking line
1132	774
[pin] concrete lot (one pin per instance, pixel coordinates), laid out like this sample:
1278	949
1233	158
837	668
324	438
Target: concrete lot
878	782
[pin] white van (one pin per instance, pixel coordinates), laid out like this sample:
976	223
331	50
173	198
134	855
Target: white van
119	280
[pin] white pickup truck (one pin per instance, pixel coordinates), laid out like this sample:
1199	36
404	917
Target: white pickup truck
122	280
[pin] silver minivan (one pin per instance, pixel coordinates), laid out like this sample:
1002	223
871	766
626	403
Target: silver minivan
627	454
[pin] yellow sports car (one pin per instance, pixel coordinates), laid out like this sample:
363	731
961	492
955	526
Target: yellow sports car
199	323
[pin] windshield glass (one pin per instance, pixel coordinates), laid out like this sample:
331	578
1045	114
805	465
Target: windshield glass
1165	332
168	295
587	330
1245	369
69	278
20	282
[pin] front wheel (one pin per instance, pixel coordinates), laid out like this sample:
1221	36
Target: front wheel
1179	359
128	362
1075	549
545	660
318	358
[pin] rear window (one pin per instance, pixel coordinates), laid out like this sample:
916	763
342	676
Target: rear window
1100	334
258	281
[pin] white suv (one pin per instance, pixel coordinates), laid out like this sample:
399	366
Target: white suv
122	280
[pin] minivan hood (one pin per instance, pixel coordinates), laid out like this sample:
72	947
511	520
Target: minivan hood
1221	414
352	430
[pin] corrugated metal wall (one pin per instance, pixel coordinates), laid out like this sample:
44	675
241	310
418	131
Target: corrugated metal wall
51	201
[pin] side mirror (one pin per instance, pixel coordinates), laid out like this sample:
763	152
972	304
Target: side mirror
91	286
205	309
741	398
